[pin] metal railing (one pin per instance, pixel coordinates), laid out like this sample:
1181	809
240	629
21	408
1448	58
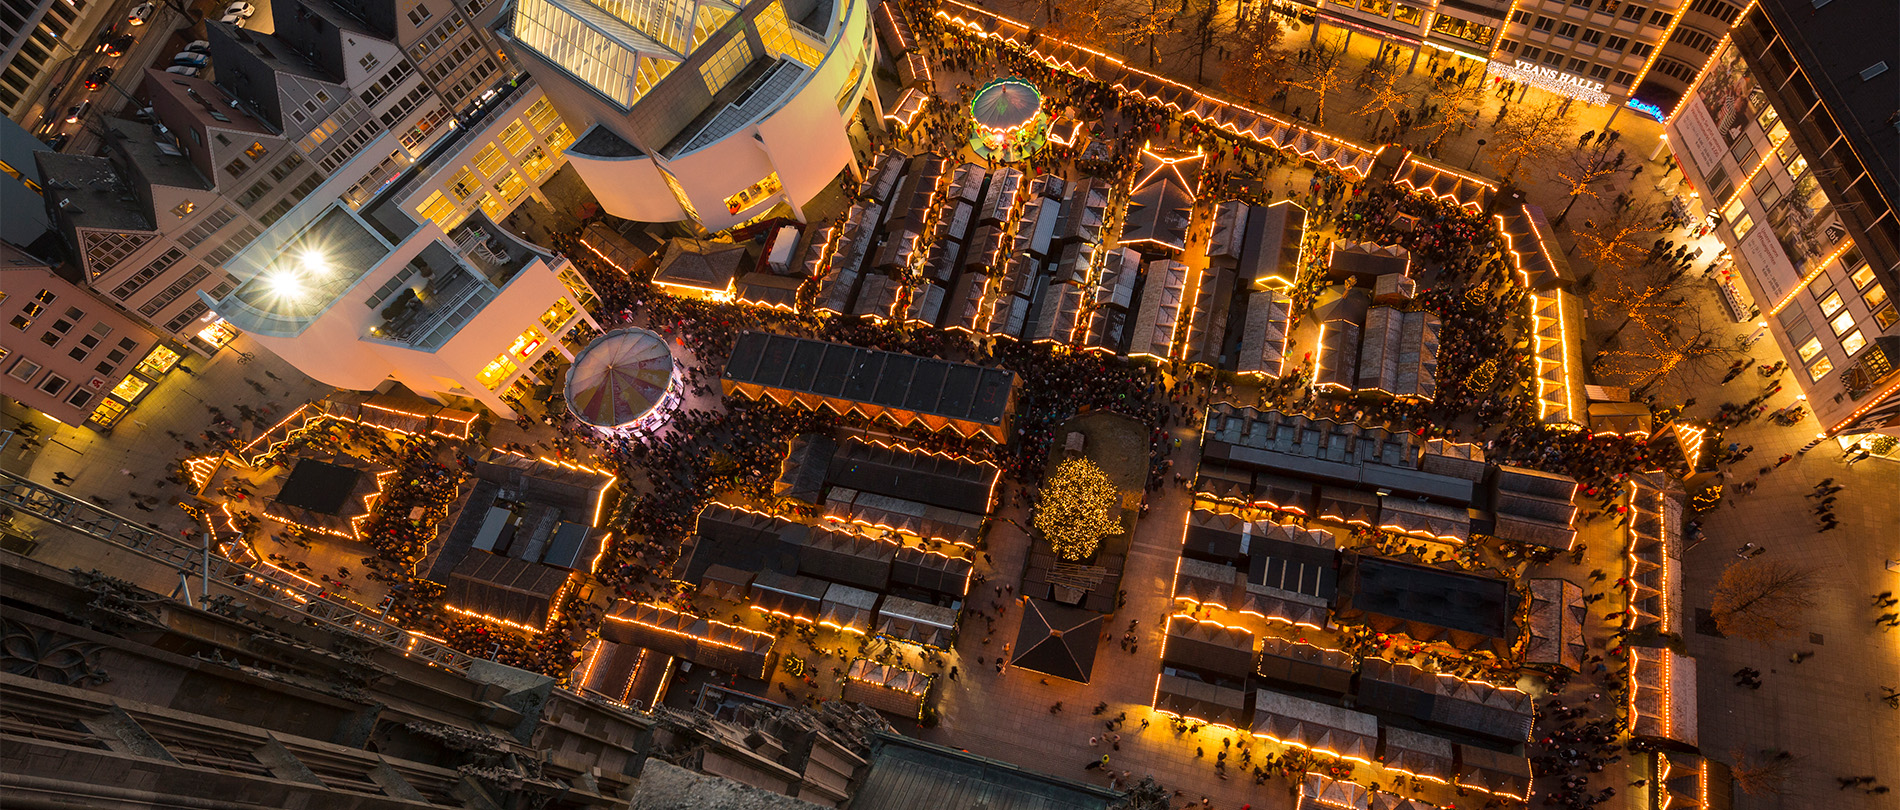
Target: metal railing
281	590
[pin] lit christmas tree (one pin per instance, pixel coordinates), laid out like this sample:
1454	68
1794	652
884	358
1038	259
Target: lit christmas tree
1078	508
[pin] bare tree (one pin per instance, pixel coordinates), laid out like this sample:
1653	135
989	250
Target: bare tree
1143	24
1325	72
1084	22
1587	168
1255	65
1763	774
1622	242
1674	337
1206	31
1383	96
1532	135
1763	599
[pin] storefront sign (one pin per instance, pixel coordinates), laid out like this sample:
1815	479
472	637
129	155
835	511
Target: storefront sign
1553	80
1648	109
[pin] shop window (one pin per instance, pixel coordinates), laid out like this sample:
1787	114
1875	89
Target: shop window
1809	349
1832	303
108	412
1887	316
1853	342
131	387
1842	322
557	314
1874	296
158	362
751	195
1820	369
1863	277
497	370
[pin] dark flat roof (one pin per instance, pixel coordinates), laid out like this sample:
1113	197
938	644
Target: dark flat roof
907	773
1432	596
319	486
959	391
1835	42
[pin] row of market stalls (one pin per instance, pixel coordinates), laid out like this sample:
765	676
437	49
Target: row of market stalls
878	486
1444	183
1241	122
396	410
903	389
1348	473
1424	724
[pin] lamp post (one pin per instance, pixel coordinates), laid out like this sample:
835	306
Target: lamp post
1474	155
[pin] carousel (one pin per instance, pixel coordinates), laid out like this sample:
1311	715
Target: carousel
625	380
1010	124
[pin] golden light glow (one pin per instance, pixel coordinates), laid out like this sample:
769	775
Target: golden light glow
767	638
492	619
1819	268
1877	399
1657	53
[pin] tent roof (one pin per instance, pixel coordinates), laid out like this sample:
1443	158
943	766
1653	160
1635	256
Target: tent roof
1058	640
619	377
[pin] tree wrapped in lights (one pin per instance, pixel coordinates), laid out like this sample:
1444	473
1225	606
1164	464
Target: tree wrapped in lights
1078	509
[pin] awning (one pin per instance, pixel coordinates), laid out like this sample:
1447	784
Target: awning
1200	701
886	688
1304	665
1655	555
1435	521
1326	792
1213	536
1276	605
1662	699
789	597
1418	754
1348	505
1284	494
917	622
1320	727
726	582
1206	583
1208	647
931	571
847	609
1057	639
1493	772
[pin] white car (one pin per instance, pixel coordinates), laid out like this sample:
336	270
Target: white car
142	14
232	19
240	9
182	70
199	46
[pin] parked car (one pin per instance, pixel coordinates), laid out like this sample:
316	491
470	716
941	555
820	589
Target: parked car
142	14
232	19
120	44
98	77
241	9
78	111
199	46
190	59
182	70
58	142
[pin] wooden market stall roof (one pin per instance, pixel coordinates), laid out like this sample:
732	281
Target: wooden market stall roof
962	398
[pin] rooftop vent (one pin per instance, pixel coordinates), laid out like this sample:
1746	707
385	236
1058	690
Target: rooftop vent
1876	69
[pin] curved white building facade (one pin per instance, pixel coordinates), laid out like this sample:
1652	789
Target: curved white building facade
700	109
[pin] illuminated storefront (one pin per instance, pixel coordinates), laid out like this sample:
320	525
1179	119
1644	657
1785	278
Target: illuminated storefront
1552	79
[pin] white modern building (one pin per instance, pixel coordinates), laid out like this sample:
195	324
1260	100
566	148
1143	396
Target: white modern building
354	298
702	110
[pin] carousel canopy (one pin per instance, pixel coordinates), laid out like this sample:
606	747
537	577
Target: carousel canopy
1005	104
619	378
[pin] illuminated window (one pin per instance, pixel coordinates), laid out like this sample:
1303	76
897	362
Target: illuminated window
108	412
1863	277
542	115
710	18
1407	14
779	40
159	361
464	184
1874	297
751	195
497	370
130	388
439	210
516	137
184	209
1854	342
561	138
557	314
1842	322
1820	369
536	163
1887	316
256	151
1742	225
493	207
1831	304
1809	349
726	63
490	160
526	342
511	186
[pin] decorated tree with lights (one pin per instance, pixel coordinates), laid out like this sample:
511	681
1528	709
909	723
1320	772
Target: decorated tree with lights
1527	134
1383	94
1325	71
1256	65
1078	509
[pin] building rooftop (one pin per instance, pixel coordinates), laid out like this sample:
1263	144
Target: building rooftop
1838	44
100	196
154	158
294	278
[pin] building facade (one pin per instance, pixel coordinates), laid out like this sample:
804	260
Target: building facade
1777	141
35	37
700	110
69	355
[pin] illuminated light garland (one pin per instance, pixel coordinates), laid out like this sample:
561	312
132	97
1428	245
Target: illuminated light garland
201	470
1656	54
1875	402
491	619
1819	268
768	638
